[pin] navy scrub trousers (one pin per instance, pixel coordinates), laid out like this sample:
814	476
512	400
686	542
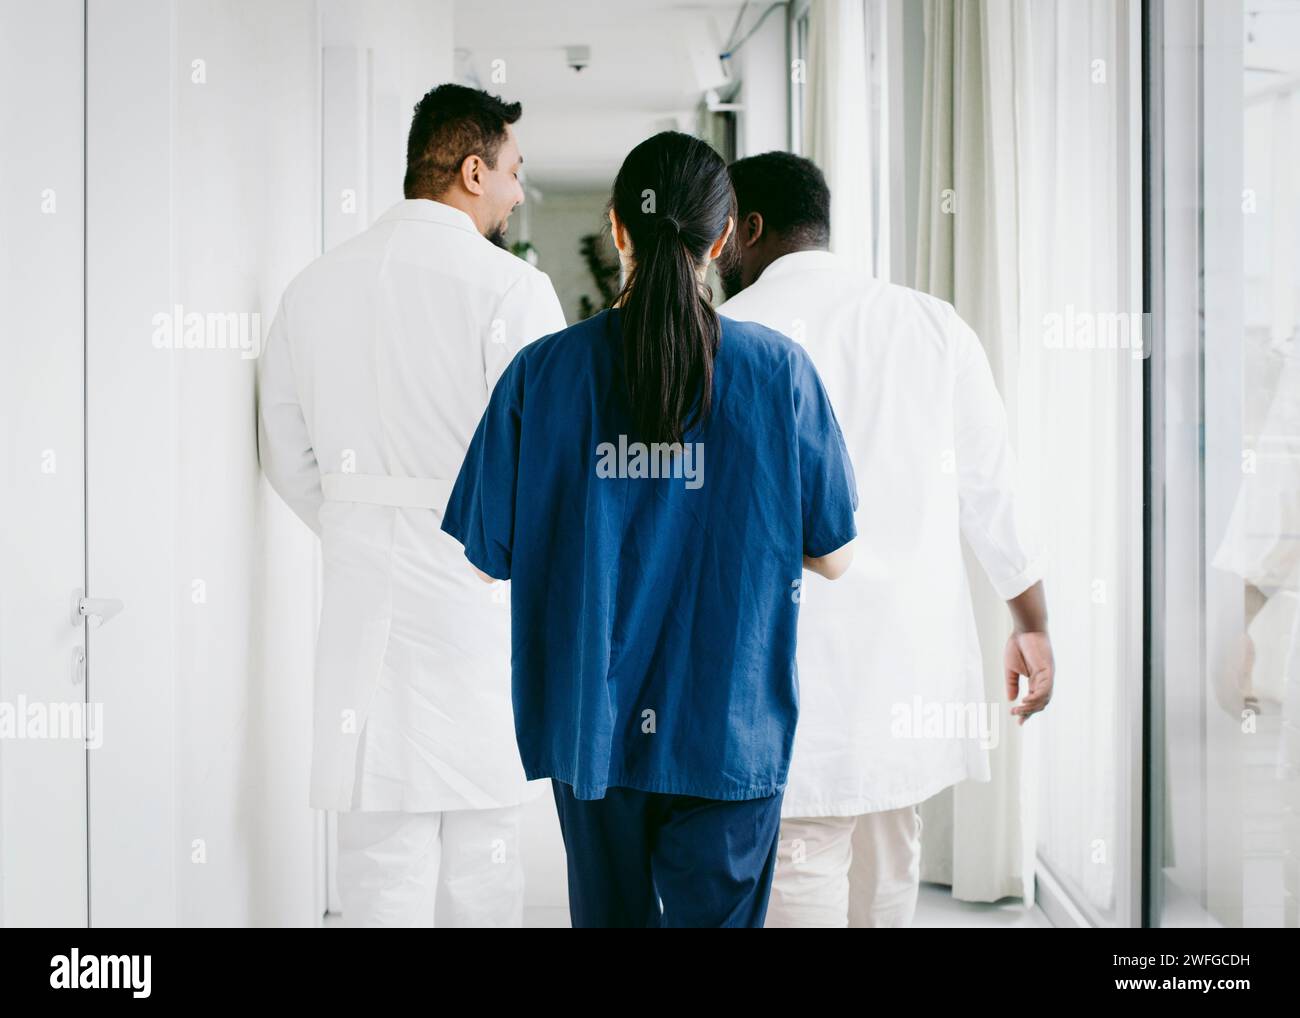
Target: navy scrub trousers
710	861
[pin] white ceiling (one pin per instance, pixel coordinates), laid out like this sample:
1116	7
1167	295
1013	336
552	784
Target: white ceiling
578	126
1272	41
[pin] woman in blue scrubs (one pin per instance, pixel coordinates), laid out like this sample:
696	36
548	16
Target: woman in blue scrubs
653	481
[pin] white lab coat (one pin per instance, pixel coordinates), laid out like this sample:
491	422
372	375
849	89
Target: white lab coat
889	650
1262	542
376	370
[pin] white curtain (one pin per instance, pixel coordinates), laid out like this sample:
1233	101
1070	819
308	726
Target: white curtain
975	833
837	128
1021	227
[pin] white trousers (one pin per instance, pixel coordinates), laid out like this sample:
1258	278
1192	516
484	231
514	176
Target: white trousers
858	871
460	867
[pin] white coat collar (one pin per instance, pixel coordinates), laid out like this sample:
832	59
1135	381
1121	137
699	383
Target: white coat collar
798	261
429	211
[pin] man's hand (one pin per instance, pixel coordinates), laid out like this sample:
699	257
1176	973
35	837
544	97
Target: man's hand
1029	654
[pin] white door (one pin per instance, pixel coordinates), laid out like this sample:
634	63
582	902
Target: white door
43	710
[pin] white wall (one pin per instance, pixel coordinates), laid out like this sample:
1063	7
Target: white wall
203	192
42	504
405	47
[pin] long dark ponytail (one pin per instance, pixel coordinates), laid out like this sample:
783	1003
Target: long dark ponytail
673	196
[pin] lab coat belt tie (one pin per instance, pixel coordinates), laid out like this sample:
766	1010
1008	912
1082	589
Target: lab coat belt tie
383	489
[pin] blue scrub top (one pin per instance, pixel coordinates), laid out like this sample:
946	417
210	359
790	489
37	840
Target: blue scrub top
654	599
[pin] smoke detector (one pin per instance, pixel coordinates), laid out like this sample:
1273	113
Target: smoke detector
577	57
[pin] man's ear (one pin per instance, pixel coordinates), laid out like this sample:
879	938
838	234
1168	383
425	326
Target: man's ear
471	174
752	229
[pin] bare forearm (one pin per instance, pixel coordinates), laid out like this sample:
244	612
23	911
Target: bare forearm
1029	610
1255	601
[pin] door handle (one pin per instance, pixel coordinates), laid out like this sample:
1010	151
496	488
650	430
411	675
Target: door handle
95	610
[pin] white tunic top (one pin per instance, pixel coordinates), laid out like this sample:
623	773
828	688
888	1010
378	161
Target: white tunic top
377	368
892	705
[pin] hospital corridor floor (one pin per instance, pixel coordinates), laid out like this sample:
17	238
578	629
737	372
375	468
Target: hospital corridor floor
935	908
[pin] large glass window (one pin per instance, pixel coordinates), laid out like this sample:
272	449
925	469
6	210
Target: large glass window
1224	441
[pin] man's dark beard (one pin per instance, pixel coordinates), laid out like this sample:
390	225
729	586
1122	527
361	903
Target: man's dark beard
498	235
729	271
